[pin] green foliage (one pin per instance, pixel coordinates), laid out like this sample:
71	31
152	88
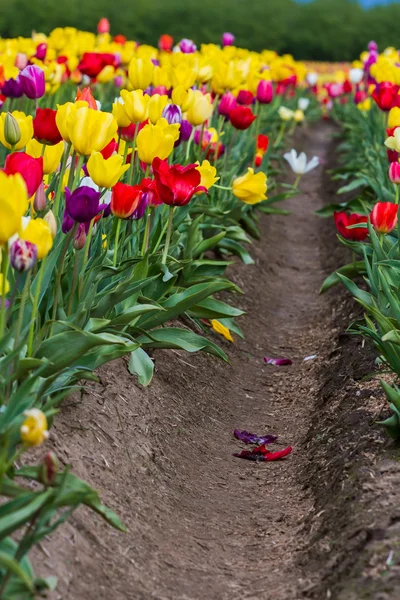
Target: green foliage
321	30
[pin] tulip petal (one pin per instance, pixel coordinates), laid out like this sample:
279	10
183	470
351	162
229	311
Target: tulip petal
278	362
252	438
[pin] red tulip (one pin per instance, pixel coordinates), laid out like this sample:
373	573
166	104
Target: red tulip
93	62
394	172
125	199
342	222
176	184
241	117
384	216
31	169
45	127
265	92
392	155
262	142
166	42
86	95
109	149
103	26
245	98
149	187
386	95
347	87
120	39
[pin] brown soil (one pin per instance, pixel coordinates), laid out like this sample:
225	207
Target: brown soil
203	524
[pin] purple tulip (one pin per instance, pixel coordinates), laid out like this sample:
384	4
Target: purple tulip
32	82
12	88
23	255
265	92
173	114
82	205
253	438
228	39
141	208
372	46
185	132
227	103
67	223
80	237
187	46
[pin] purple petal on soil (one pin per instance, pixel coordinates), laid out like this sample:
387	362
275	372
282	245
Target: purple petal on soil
252	438
278	362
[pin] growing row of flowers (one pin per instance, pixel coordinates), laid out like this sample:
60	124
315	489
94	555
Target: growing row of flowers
130	177
368	223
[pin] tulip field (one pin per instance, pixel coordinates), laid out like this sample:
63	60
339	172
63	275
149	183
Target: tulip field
145	193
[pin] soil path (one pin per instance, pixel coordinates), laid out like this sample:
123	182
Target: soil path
203	524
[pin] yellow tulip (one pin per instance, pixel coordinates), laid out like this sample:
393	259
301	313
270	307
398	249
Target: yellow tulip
208	174
200	109
182	97
91	130
136	105
393	142
157	104
10	219
106	75
66	113
25	125
38	232
298	115
250	188
183	74
51	157
157	140
34	429
140	73
119	113
106	172
6	287
13	189
394	118
365	105
161	77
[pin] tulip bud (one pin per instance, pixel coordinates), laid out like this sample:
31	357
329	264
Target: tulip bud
41	51
80	238
51	222
103	26
23	255
49	469
187	46
227	103
264	92
12	132
394	172
384	216
173	114
228	39
40	200
21	60
245	97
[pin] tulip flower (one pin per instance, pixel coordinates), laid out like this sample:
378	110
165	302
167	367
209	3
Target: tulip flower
251	188
32	82
45	127
31	169
86	95
172	113
286	114
156	141
394	118
23	255
4	289
25	128
208	174
299	163
12	88
106	172
110	149
343	221
157	104
303	104
245	98
166	42
226	104
393	142
265	92
51	155
136	105
103	26
90	130
40	200
80	237
13	189
125	200
149	187
298	116
10	219
261	149
182	97
187	46
356	75
241	117
51	222
65	115
386	95
394	172
176	184
119	113
384	216
144	202
38	232
34	429
140	73
41	51
83	204
49	469
92	63
228	39
312	78
200	109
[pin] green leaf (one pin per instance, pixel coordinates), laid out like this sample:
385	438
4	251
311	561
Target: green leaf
12	522
208	243
234	247
352	186
13	566
214	309
353	269
356	291
181	339
140	364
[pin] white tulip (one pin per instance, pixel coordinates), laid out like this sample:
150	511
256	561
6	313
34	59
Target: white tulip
299	163
356	75
312	78
286	114
303	103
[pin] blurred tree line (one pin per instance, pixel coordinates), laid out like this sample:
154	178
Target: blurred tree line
321	30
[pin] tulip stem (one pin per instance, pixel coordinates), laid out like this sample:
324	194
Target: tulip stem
280	135
297	180
222	187
73	287
59	275
22	308
78	171
60	181
146	236
4	271
189	144
133	156
169	233
396	201
116	242
71	170
86	255
35	307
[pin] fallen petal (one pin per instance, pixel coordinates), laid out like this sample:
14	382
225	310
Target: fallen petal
278	362
261	454
277	455
310	357
252	438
